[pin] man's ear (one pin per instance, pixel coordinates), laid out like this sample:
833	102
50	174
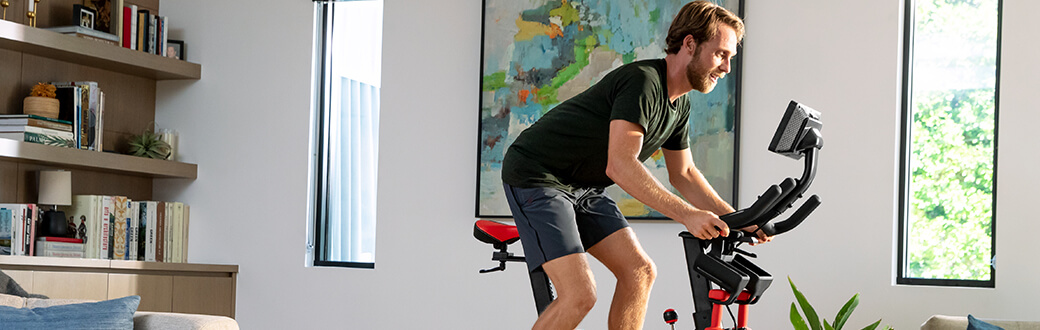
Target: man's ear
689	42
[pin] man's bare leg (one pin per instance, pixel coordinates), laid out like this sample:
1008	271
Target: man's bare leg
575	292
635	274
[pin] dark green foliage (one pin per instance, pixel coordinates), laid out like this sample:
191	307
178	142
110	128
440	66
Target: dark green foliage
813	323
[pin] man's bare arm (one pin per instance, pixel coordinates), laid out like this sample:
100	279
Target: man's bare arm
624	168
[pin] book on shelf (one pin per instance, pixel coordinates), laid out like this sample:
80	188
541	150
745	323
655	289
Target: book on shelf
87	33
120	214
148	231
88	117
142	30
163	36
34	120
7	232
133	228
61	254
58	239
129	22
18	223
38	135
85	214
63	139
184	232
148	216
168	237
115	26
70	107
106	228
52	248
178	232
160	232
152	29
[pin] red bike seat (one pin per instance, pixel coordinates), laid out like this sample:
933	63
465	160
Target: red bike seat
493	232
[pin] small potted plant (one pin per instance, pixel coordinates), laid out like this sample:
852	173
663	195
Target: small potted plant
149	145
42	101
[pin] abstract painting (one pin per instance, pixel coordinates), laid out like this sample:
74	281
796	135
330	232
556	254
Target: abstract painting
538	53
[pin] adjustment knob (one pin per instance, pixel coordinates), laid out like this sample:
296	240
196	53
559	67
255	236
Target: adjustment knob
670	316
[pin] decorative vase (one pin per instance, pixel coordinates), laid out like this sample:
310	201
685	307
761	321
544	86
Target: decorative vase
41	106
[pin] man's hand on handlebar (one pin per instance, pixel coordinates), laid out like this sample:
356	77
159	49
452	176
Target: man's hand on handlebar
705	225
762	237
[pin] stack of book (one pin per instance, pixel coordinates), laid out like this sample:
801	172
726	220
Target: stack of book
37	129
87	33
117	228
62	247
79	124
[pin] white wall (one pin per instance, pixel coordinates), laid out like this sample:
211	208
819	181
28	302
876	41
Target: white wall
246	124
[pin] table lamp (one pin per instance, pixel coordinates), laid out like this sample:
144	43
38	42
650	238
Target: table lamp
55	189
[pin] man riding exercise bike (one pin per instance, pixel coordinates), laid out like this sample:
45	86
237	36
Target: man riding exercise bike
718	261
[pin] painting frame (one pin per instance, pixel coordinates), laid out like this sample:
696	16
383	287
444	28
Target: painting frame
497	129
84	16
176	49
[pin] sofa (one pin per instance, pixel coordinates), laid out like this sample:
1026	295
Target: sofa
944	322
141	320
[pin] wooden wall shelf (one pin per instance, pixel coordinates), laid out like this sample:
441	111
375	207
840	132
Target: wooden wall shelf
53	45
27	152
50	263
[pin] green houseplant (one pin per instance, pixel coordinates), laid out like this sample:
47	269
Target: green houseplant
149	145
813	323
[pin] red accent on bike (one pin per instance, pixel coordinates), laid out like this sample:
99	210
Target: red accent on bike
742	316
670	316
722	295
493	232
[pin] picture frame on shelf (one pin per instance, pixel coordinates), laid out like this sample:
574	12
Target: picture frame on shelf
83	16
175	49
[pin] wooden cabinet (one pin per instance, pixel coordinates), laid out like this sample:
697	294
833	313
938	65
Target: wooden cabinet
163	287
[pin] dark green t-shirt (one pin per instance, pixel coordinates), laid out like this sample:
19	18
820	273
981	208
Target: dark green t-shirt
567	147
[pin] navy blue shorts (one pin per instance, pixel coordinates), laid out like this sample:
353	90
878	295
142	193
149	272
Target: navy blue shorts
553	223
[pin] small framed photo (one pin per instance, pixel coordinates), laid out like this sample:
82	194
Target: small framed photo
83	16
175	49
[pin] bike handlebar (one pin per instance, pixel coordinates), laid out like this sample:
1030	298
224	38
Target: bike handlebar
776	200
799	215
745	217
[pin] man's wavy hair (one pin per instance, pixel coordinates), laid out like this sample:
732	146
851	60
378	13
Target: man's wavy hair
700	19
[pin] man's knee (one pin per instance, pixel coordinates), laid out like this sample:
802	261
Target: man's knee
575	285
642	273
581	299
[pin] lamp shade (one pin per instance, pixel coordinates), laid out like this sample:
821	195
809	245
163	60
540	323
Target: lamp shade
55	187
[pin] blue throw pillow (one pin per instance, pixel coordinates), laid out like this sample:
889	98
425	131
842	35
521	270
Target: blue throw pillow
108	314
975	324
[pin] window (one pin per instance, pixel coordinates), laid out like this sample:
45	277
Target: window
949	141
346	139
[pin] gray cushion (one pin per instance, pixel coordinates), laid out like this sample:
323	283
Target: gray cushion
108	314
142	320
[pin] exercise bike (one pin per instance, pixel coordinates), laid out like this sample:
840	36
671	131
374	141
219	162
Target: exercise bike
717	262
